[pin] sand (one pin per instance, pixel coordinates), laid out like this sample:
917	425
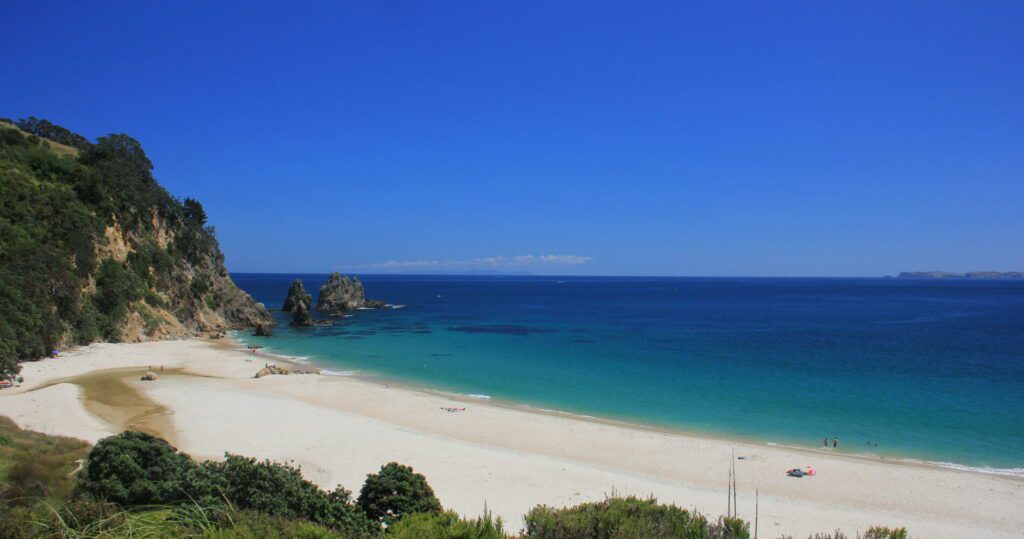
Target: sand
341	428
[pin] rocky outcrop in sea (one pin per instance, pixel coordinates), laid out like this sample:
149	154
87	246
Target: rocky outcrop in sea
341	294
297	303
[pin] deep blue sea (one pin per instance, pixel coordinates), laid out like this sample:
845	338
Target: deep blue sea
926	369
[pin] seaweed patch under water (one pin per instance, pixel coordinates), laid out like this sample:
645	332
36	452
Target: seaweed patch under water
501	329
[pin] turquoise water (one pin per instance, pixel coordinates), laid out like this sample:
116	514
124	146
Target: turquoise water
930	370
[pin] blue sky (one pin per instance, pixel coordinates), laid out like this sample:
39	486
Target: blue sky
675	138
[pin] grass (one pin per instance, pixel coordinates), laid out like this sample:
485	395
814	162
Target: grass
54	146
35	465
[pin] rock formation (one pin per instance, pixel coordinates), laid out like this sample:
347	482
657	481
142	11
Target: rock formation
341	294
297	303
271	369
149	377
264	330
296	294
301	315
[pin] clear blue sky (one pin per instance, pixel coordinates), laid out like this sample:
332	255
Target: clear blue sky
675	138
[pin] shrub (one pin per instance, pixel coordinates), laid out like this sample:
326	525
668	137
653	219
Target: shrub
396	491
447	525
881	532
278	490
135	468
616	518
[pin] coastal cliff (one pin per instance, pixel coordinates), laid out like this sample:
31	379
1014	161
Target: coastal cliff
92	248
341	294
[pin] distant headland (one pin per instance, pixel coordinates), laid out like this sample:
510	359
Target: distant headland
967	275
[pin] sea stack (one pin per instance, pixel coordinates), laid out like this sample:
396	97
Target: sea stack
341	294
298	302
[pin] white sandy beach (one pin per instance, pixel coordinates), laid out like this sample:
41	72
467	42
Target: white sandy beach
339	429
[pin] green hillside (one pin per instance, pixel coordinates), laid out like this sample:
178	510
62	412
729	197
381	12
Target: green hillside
92	248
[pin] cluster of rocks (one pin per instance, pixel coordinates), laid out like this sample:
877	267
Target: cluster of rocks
341	294
149	377
271	369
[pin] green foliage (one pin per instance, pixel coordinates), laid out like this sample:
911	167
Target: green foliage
135	468
53	212
56	133
248	524
194	211
396	491
278	490
116	289
881	532
46	248
628	517
447	525
200	285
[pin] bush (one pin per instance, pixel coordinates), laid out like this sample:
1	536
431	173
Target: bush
616	518
278	490
135	468
881	532
396	491
447	525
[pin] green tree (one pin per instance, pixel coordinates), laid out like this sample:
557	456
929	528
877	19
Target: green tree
194	211
135	468
396	491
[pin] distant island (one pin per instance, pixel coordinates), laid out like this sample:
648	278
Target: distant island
968	275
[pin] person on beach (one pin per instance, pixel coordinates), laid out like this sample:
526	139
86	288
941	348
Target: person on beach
835	443
825	442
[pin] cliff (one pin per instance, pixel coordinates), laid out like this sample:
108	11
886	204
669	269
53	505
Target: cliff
92	248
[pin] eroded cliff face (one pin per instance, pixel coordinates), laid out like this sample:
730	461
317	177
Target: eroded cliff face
183	296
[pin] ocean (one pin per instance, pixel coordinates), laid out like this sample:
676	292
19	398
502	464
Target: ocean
920	369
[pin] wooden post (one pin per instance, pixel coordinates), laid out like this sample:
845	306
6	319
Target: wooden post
756	509
735	508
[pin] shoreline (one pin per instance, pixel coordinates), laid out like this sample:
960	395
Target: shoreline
382	381
510	458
